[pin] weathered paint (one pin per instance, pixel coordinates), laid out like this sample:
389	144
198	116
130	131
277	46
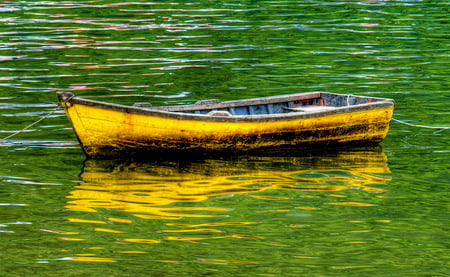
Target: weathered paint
105	132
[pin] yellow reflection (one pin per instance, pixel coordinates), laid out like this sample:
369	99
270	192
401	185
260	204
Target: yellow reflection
190	238
193	230
210	224
336	195
69	233
157	190
218	237
297	225
352	204
86	221
93	259
107	230
142	240
156	217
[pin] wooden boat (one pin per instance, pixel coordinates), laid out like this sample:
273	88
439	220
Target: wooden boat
303	119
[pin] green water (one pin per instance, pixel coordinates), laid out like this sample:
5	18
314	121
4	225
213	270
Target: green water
367	211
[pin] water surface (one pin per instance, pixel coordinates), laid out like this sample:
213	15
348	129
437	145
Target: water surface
376	210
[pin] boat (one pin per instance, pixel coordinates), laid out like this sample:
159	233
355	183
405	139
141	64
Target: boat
310	119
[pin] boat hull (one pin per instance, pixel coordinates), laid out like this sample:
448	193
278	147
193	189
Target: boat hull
114	132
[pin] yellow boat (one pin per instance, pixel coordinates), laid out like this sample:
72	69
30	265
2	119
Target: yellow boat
302	119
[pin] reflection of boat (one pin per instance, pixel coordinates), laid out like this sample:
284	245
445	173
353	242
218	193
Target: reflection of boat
157	189
106	129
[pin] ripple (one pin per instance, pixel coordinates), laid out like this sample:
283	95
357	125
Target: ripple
173	52
39	143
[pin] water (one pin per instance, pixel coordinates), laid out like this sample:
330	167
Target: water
376	210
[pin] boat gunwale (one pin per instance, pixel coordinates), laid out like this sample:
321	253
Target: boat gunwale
179	112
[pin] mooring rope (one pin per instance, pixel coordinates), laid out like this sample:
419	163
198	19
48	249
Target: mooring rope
51	112
406	123
420	126
31	125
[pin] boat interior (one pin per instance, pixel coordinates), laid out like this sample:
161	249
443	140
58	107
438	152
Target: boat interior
304	102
